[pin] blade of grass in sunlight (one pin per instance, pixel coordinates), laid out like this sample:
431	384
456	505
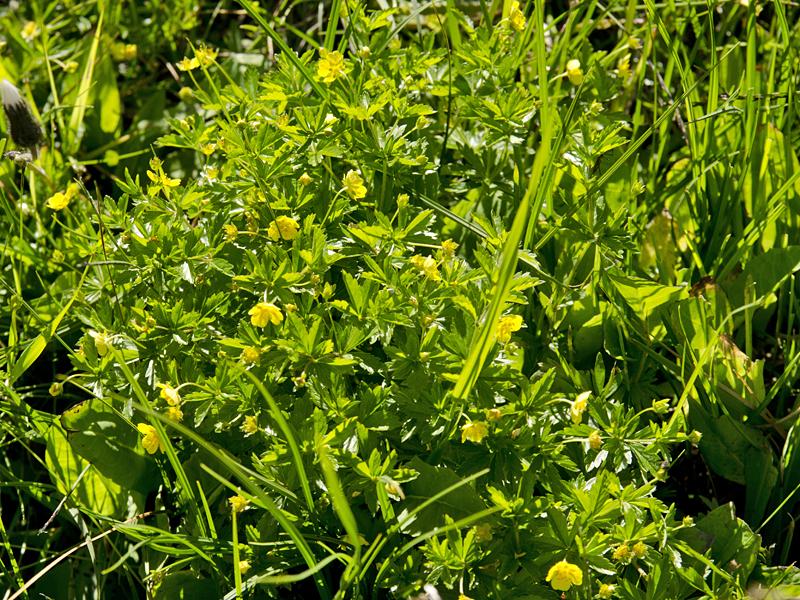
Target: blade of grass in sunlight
483	342
76	120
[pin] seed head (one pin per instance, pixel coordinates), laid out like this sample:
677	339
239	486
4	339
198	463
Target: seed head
22	125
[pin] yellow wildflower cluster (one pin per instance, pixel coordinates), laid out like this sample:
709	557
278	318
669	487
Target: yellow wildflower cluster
354	185
151	441
331	65
516	17
231	231
102	342
624	66
121	51
578	407
175	413
474	431
160	179
203	57
563	575
250	425
606	591
250	355
170	394
29	31
283	228
574	71
60	200
427	265
507	325
622	553
238	503
264	313
449	248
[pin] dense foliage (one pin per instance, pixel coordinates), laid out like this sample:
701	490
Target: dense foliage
384	300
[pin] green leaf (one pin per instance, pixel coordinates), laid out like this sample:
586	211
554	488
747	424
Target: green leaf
110	444
186	585
461	502
92	490
728	540
644	296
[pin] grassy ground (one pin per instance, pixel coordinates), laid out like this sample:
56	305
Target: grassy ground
480	299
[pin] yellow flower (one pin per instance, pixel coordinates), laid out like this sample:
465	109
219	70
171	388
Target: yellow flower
639	549
283	228
238	503
427	265
624	66
170	395
494	414
516	17
578	407
354	185
574	72
188	64
250	425
250	355
265	312
160	179
175	413
131	52
463	597
244	566
29	31
102	342
449	248
507	325
331	65
304	179
483	532
474	431
58	201
168	182
151	442
394	489
595	441
208	149
606	591
205	56
564	575
231	231
622	553
124	52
